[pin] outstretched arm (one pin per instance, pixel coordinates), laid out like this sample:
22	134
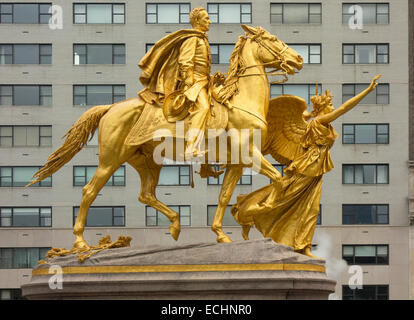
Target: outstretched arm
351	103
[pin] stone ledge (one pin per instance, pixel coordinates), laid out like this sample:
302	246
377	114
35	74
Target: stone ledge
256	269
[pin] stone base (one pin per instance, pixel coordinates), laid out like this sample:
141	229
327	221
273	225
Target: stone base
254	270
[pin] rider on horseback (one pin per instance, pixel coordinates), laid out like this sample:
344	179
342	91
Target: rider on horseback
186	56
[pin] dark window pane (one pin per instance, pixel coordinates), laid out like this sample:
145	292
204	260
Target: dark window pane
99	95
26	95
99	54
26	54
26	217
25	13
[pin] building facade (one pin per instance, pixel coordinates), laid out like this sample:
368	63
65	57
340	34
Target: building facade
56	63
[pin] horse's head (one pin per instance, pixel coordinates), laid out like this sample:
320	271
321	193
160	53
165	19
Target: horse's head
274	52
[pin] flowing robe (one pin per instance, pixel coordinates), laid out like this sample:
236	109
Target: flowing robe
291	219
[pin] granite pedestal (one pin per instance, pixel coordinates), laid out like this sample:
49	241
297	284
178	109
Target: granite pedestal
255	269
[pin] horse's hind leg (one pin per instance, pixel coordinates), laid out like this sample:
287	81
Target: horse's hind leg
149	173
231	177
89	193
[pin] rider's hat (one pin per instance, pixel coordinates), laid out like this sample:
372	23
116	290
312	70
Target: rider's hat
176	106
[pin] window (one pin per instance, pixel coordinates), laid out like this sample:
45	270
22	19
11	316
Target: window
365	133
21	258
30	13
26	95
98	54
305	91
103	216
26	217
89	95
372	13
296	13
220	53
365	53
21	176
172	175
365	214
25	136
311	53
365	174
379	96
246	178
319	219
25	53
368	292
11	294
228	220
230	12
365	254
148	46
110	13
155	218
83	174
168	12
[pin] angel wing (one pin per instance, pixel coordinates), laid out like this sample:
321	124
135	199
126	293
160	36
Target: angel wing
286	126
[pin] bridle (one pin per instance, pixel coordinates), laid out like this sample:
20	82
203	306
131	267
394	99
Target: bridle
279	57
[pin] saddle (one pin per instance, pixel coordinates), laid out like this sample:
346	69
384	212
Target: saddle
153	124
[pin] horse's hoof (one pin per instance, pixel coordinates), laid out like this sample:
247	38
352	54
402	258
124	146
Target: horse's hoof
223	239
245	232
175	231
80	245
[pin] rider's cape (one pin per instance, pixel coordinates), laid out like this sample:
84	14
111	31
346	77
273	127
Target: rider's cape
160	70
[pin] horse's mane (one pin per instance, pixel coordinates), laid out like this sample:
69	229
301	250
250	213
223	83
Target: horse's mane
236	62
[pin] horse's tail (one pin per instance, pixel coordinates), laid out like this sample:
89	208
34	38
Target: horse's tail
76	138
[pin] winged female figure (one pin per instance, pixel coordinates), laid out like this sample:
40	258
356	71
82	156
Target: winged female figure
301	141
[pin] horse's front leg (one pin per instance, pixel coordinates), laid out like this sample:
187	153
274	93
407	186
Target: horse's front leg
231	177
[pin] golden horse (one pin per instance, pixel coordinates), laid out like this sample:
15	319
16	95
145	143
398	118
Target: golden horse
251	56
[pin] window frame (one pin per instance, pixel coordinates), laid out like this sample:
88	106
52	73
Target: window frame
112	53
98	3
289	3
86	93
346	16
233	3
24	126
164	3
102	226
211	182
37	184
29	85
366	164
111	179
354	85
353	296
309	51
365	44
179	175
353	262
39	45
218	45
13	253
39	14
377	134
158	213
236	224
355	213
310	93
39	225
